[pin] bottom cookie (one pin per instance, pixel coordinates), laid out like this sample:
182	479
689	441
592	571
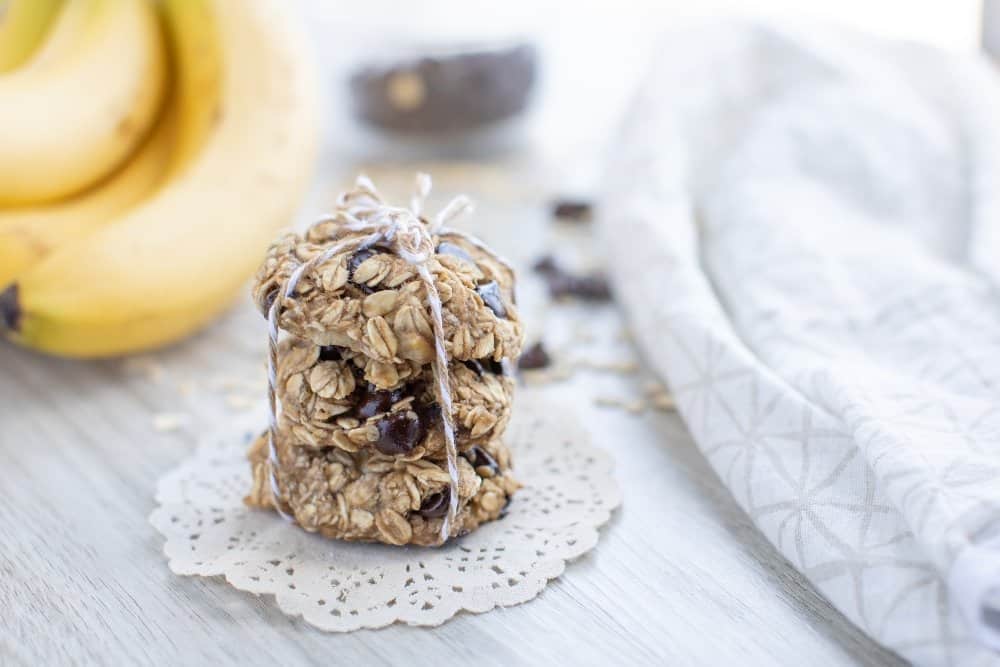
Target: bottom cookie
367	496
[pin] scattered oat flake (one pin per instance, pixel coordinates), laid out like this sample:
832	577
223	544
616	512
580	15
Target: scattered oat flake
663	401
609	402
145	366
187	387
165	422
636	407
547	375
239	401
652	387
611	366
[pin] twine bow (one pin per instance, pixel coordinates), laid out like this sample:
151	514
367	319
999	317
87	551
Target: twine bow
411	238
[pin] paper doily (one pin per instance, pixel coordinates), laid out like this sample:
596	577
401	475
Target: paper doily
338	586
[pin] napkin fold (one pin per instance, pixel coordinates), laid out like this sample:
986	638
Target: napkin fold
804	228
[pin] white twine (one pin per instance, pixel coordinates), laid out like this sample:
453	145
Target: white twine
411	238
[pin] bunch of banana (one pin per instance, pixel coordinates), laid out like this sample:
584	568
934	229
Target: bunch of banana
149	151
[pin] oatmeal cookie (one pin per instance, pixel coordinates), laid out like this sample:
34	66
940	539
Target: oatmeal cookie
328	399
372	301
367	496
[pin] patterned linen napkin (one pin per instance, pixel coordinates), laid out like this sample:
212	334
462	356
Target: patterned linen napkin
804	228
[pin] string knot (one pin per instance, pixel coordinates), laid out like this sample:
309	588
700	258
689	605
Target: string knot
412	240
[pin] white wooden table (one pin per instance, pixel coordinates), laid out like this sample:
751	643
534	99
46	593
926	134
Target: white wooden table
680	576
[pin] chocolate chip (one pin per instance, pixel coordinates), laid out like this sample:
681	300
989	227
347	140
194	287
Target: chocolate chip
487	365
330	353
574	210
436	504
446	248
474	366
534	357
478	456
398	433
10	308
490	292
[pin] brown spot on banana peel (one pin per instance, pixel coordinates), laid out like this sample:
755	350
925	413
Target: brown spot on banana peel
10	309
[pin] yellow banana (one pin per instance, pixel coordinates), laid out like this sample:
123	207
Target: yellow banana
69	121
174	262
23	24
28	234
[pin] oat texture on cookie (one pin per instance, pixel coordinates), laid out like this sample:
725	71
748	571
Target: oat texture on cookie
393	339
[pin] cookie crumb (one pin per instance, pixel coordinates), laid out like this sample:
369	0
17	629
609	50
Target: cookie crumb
165	422
146	366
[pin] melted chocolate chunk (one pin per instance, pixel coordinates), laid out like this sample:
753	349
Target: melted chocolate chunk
534	357
429	414
330	353
371	400
372	403
478	456
490	293
436	504
398	433
573	210
446	248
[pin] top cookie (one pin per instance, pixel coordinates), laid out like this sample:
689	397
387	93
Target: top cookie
373	302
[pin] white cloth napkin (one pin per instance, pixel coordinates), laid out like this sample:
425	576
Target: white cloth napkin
804	227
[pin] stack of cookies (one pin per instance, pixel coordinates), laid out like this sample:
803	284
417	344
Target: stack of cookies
359	449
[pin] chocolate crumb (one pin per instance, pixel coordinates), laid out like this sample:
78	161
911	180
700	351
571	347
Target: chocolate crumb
534	357
572	210
589	287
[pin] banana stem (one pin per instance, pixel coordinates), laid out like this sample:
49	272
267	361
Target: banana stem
10	309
